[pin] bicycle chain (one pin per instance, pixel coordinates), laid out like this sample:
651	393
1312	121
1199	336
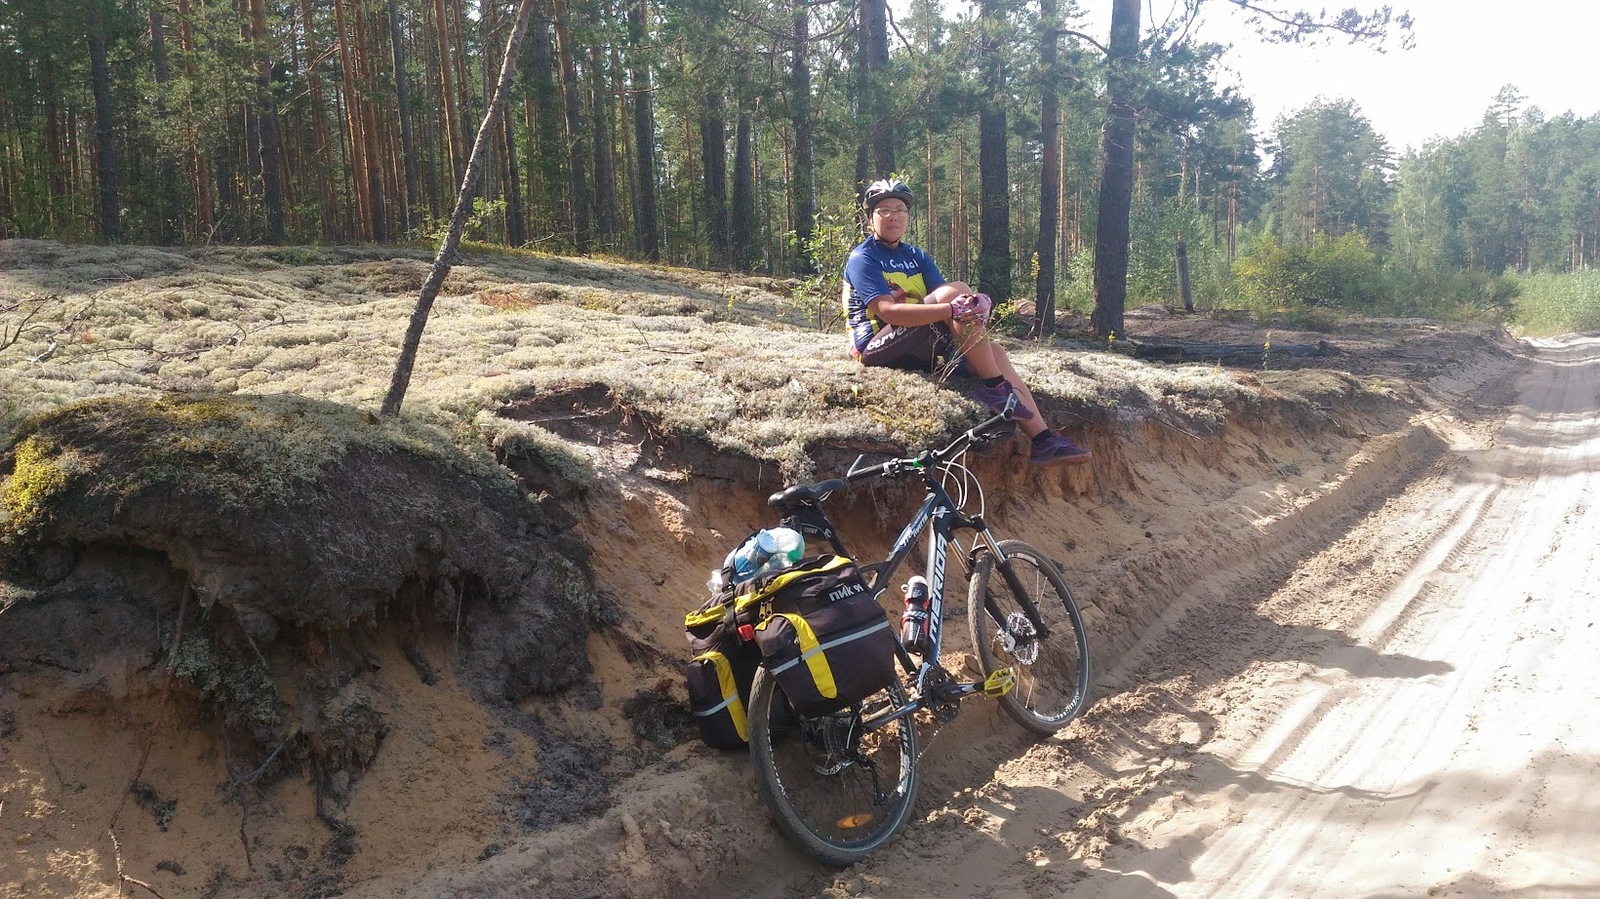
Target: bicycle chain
943	712
928	744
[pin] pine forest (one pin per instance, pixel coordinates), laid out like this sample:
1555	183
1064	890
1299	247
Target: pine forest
737	135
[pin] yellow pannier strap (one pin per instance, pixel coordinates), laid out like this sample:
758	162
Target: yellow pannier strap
743	600
705	616
814	653
730	693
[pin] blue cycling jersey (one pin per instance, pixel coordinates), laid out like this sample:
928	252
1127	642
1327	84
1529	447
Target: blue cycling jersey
872	268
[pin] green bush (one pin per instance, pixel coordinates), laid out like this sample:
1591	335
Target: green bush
816	298
1451	295
1153	255
1339	272
1075	291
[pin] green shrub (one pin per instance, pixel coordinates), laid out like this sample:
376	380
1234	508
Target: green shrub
816	297
1340	272
1076	291
1451	295
1153	257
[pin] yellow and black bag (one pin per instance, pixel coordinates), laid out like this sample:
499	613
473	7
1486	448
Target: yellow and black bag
720	673
821	633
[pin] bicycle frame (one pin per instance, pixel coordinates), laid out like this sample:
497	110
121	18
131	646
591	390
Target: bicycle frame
946	519
938	509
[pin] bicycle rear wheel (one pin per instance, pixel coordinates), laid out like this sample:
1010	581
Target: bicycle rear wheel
1052	673
838	790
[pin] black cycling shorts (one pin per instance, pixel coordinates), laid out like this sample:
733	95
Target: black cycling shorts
919	348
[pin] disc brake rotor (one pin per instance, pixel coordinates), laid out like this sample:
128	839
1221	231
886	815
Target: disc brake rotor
1018	639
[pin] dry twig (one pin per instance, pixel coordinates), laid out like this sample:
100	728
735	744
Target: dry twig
123	877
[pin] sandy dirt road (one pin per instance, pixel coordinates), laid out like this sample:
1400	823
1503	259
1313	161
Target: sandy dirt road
1451	747
1411	712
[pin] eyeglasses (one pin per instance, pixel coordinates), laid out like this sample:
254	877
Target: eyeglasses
884	213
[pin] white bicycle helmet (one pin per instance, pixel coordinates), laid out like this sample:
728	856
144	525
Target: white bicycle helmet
884	189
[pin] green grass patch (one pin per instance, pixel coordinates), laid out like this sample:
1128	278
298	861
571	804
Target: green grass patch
1558	303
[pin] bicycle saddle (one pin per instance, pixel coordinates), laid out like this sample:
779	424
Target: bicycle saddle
801	494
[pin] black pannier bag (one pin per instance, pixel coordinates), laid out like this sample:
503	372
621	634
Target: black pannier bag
821	633
720	673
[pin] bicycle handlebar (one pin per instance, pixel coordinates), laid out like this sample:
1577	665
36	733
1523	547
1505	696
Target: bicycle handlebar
959	445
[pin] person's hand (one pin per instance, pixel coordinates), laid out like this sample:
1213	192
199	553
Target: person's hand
971	308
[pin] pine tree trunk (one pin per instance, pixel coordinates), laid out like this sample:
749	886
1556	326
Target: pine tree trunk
321	136
607	215
1116	175
168	230
743	239
1049	186
874	97
714	163
198	174
352	118
371	140
577	167
547	134
930	196
803	184
402	98
624	140
960	234
516	217
493	169
55	144
463	58
646	216
105	149
267	123
447	90
994	181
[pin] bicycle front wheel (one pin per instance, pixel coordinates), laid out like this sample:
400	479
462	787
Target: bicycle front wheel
1052	672
837	789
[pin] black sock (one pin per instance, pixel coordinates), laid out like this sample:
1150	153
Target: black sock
995	381
1043	435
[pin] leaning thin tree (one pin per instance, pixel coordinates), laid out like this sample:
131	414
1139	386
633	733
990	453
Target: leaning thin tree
458	220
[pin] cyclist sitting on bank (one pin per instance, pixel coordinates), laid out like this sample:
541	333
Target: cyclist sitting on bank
902	313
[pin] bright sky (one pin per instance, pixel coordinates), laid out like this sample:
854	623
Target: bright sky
1465	51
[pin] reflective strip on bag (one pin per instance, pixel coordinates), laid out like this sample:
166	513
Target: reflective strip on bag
814	655
730	693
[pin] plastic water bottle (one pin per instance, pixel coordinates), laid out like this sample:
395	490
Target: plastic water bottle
788	545
914	622
716	582
767	551
782	548
745	559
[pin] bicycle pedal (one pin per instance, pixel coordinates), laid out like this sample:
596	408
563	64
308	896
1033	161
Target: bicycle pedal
999	682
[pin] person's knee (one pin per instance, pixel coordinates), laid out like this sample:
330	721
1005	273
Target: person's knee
971	333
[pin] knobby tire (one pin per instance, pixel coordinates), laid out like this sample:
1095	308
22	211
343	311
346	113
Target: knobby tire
836	791
1052	674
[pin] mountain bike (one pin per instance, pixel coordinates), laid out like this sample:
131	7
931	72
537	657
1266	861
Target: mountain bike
843	785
